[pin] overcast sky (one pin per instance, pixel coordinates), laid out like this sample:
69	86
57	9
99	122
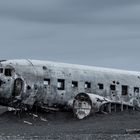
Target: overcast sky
103	33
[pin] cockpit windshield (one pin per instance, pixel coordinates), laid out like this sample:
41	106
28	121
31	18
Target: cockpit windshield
1	70
8	72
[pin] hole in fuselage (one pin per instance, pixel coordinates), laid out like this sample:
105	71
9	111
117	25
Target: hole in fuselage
28	87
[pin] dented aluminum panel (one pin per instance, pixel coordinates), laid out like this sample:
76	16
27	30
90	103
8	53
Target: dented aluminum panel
85	89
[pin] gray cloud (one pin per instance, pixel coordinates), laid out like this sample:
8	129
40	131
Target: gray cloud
74	11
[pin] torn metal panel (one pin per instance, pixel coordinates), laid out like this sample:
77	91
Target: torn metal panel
86	103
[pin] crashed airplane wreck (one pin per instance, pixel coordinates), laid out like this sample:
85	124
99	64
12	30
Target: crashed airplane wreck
83	89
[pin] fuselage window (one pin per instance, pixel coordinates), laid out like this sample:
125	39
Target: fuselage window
112	87
44	68
136	89
100	86
87	85
74	84
46	82
61	84
124	90
1	70
8	72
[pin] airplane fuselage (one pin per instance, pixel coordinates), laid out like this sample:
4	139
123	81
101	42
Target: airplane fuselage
51	84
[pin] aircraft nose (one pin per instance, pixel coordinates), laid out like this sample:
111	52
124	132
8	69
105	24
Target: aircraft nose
6	86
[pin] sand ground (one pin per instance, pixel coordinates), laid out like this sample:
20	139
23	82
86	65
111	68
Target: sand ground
63	125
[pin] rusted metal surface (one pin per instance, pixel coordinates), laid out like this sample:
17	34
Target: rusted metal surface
85	89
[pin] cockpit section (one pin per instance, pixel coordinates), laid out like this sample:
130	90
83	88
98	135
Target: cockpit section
7	79
7	71
6	75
